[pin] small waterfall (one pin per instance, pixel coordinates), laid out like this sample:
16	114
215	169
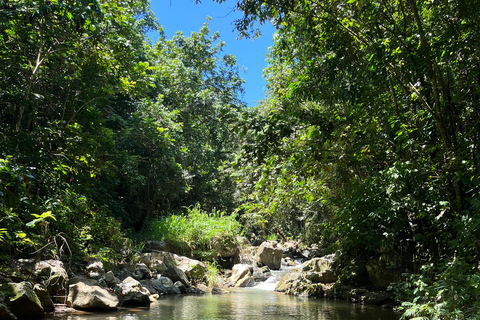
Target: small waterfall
274	279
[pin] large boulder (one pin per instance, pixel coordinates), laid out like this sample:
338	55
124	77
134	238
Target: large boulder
133	293
247	281
164	285
154	261
319	264
270	255
22	301
141	271
286	281
53	276
295	283
44	297
224	247
193	269
169	261
110	279
319	270
239	272
83	296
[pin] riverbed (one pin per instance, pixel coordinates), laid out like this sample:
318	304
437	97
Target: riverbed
244	303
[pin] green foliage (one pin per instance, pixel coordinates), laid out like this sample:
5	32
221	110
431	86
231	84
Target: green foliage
441	292
196	227
100	129
212	275
374	105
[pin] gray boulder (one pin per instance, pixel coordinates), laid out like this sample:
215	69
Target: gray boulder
141	272
270	255
83	296
247	281
193	269
53	276
154	261
224	247
169	260
319	270
133	293
165	285
239	272
21	300
180	286
44	297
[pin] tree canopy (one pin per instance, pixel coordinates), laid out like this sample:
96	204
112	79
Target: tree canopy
369	137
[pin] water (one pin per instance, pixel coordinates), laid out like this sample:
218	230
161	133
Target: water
245	303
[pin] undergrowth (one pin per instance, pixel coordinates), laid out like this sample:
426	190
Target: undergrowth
197	227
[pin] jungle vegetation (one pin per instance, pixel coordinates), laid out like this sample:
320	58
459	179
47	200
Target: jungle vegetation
366	143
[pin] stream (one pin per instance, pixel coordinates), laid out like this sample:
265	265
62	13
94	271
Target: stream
259	302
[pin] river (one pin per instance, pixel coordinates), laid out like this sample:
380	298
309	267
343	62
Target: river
244	303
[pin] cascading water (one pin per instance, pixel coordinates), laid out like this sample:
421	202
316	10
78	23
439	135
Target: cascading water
274	279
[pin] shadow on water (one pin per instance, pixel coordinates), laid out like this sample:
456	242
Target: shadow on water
243	303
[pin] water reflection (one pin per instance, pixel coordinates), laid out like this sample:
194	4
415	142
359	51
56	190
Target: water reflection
246	304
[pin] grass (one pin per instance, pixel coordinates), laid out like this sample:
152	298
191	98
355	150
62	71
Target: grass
196	227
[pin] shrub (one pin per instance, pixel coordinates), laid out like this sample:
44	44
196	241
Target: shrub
196	227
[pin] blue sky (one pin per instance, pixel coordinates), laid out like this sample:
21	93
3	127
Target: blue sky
186	16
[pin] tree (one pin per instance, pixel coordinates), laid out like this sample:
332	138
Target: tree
397	81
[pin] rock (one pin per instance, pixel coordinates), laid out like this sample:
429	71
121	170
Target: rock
83	296
24	265
312	252
247	281
239	272
193	269
22	301
88	281
169	261
318	264
288	262
53	276
44	297
133	293
180	286
217	290
141	272
95	265
201	289
165	285
224	247
153	297
286	281
167	282
176	274
154	261
255	240
261	274
177	247
381	272
110	279
95	268
270	255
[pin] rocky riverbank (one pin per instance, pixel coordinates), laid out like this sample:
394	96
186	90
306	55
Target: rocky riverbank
29	288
